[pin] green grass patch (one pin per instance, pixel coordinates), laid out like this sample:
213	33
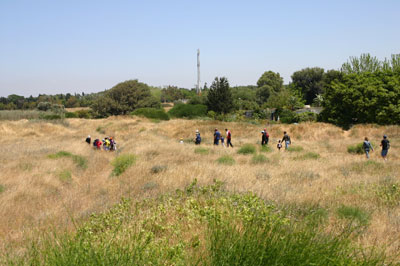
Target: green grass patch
294	148
353	213
2	188
121	163
308	156
247	149
152	113
203	151
226	159
265	148
77	159
356	149
259	159
65	176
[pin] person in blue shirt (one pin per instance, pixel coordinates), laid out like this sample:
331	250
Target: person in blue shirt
217	136
198	138
367	146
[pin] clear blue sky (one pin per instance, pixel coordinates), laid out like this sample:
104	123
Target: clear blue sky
88	46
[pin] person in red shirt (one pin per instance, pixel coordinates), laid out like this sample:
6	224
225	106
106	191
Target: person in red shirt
228	138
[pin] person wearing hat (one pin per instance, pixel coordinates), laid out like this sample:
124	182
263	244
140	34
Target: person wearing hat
197	140
88	139
385	144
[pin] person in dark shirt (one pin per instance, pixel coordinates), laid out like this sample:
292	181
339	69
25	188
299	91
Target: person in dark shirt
367	146
385	144
88	139
217	136
228	138
286	140
197	140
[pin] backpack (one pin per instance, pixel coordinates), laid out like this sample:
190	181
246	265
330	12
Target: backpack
266	134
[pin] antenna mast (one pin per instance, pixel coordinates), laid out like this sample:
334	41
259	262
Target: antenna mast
198	72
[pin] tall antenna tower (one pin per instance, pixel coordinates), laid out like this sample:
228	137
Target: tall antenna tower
198	72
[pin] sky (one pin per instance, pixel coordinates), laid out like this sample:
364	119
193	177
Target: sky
49	47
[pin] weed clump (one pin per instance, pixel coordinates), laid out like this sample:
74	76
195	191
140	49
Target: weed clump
355	149
121	163
259	159
354	214
202	151
226	159
77	159
65	176
247	149
265	148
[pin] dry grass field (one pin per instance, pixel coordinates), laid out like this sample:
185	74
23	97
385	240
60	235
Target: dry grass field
39	193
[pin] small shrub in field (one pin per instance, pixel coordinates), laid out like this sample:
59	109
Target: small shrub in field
259	158
158	168
203	151
294	148
308	156
265	148
150	186
152	113
247	149
2	188
77	159
71	115
353	213
121	163
355	149
65	176
226	159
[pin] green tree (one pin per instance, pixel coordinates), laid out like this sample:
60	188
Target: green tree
219	97
268	83
364	63
309	83
171	94
124	98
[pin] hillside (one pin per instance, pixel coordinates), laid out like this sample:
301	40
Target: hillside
40	192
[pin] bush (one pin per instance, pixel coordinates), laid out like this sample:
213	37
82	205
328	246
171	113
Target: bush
71	115
226	159
258	159
307	117
356	149
151	113
121	163
188	110
286	116
84	114
247	149
353	213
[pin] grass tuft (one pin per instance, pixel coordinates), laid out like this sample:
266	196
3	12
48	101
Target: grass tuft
121	163
226	159
247	149
77	159
295	149
308	156
265	148
353	213
65	176
259	159
355	149
203	151
2	188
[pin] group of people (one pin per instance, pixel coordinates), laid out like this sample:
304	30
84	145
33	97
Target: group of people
385	144
218	137
108	143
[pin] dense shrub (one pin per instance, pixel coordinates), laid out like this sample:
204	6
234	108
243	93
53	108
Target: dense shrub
307	117
353	213
188	110
151	113
71	115
121	163
286	116
356	149
84	113
50	116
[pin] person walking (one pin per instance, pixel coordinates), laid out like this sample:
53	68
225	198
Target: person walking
279	145
228	138
367	146
266	136
385	144
286	140
217	136
88	140
197	140
263	138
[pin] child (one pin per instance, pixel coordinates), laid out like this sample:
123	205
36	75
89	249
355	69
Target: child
279	145
222	141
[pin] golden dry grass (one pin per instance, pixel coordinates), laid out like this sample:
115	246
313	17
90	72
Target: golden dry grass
35	198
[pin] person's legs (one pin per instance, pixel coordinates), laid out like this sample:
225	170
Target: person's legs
266	141
287	145
384	154
367	153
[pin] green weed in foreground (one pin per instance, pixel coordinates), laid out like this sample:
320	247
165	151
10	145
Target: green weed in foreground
355	149
353	213
308	156
203	151
226	159
259	159
231	229
247	149
265	148
77	159
294	148
121	163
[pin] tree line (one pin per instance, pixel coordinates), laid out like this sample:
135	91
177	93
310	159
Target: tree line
364	90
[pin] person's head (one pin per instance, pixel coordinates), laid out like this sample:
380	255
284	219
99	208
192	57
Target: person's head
284	132
226	129
215	129
279	141
384	136
197	131
265	129
366	138
88	136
